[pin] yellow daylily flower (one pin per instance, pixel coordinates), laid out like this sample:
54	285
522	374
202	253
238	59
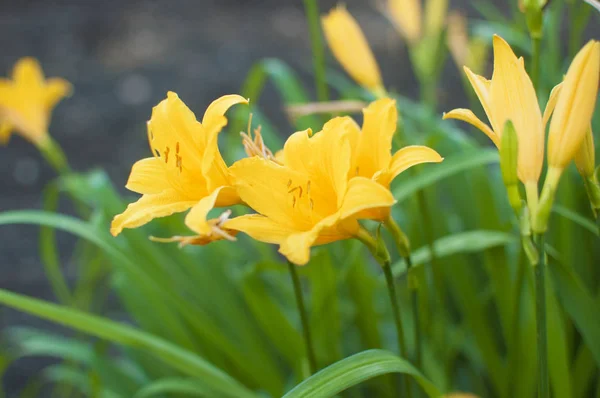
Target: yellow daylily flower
186	171
510	95
27	101
308	201
574	107
349	46
465	51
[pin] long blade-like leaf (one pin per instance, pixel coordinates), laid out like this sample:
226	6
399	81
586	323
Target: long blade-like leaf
354	370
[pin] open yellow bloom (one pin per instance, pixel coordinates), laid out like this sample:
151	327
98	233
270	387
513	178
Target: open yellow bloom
510	95
308	201
574	107
187	169
349	46
27	101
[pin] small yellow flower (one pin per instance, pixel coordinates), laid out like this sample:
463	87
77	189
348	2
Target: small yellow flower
349	46
510	95
308	201
585	157
408	19
187	169
574	107
27	101
465	51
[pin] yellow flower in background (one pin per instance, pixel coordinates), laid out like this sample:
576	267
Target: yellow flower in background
585	157
308	201
349	46
510	95
411	24
574	106
465	51
187	169
27	101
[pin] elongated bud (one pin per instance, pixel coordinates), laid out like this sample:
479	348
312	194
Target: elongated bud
509	151
533	10
585	156
349	46
407	18
435	16
575	106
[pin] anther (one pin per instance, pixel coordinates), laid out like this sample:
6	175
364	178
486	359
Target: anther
289	183
167	150
294	201
308	187
312	204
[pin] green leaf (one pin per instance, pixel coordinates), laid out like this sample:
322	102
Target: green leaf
180	359
181	386
579	304
452	165
354	370
577	218
464	242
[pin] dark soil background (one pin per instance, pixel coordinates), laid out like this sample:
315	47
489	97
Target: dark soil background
122	57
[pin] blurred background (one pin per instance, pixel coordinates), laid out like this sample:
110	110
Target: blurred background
122	57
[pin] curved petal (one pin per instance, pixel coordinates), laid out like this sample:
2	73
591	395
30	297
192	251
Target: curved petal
260	228
149	207
56	89
364	194
481	85
214	118
297	152
466	115
552	100
375	141
148	177
196	219
405	158
296	247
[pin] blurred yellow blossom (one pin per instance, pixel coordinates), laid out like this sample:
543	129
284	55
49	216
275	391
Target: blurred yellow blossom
349	46
411	24
308	201
27	101
186	171
465	51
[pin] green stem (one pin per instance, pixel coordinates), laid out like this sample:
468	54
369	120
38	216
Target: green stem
414	298
54	155
389	279
513	339
311	9
310	352
540	309
535	61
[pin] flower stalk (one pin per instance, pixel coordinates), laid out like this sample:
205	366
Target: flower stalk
311	8
540	310
54	155
310	351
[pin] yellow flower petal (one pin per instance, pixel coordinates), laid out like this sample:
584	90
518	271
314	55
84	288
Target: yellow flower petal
350	48
56	89
406	15
513	97
585	157
405	158
28	72
481	85
214	118
363	194
264	186
5	131
149	207
297	151
148	177
196	219
458	38
575	106
375	141
466	115
552	100
260	228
